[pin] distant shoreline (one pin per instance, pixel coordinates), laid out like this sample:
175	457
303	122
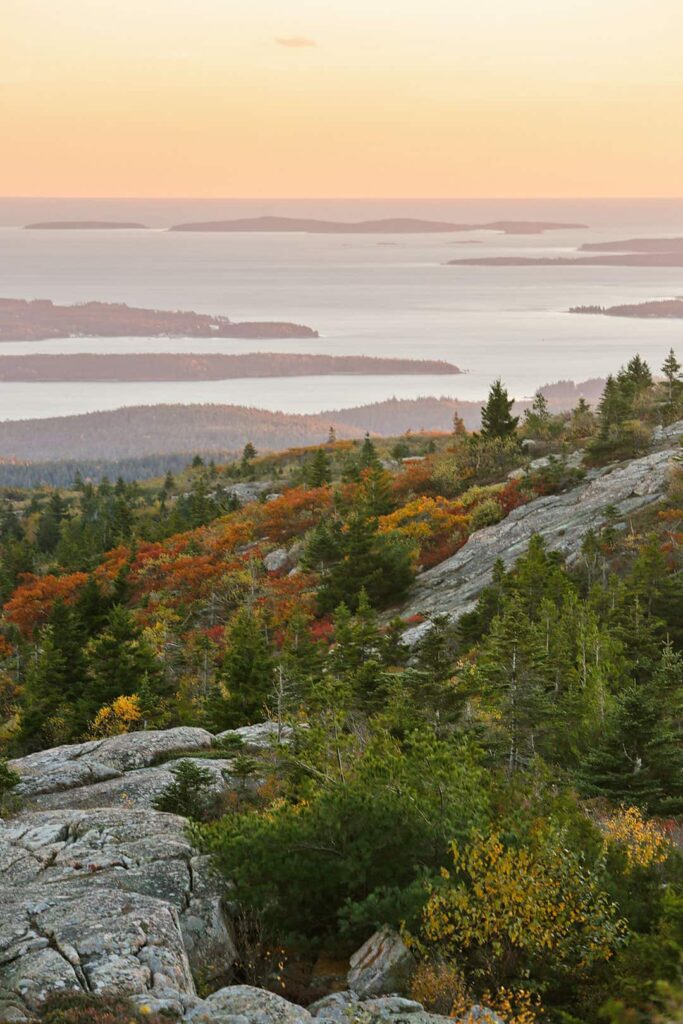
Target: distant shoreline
389	225
84	225
169	366
41	320
657	309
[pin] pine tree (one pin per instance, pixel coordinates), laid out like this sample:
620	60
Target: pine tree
53	694
368	454
318	469
377	492
119	660
511	672
671	368
496	417
246	675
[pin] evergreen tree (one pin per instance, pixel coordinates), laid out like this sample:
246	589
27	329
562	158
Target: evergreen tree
318	469
496	417
671	368
52	697
368	454
119	661
511	672
246	675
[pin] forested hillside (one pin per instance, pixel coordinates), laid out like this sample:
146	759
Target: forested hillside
504	783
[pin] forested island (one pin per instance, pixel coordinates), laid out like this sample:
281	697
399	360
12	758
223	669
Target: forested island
632	252
391	225
83	225
657	309
87	366
636	245
39	319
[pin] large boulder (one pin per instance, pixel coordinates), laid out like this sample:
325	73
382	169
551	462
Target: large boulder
243	1004
383	965
110	901
69	768
258	738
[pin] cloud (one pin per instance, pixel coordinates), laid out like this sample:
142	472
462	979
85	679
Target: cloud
295	42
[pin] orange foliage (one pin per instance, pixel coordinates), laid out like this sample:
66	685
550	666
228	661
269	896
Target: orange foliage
32	602
293	513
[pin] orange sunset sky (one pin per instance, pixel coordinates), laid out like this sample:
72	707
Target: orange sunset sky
341	97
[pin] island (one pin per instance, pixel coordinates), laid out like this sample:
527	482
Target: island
636	245
657	309
168	366
652	259
40	319
389	226
632	252
82	225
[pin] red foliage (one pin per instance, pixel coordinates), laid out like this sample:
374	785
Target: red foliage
293	513
32	602
510	497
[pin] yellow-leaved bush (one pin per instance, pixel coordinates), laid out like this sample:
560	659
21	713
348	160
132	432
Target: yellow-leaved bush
506	909
122	715
642	841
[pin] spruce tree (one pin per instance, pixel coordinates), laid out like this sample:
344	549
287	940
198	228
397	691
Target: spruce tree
119	660
496	417
246	674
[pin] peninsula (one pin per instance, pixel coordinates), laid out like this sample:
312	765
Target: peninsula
82	225
167	366
40	319
389	226
632	252
645	259
657	309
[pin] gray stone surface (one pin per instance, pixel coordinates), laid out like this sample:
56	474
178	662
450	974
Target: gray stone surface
382	966
277	560
258	738
139	788
110	901
72	767
563	520
256	1005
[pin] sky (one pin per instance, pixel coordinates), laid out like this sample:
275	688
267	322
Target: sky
357	98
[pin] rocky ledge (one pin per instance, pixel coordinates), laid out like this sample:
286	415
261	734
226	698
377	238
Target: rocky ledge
104	895
563	520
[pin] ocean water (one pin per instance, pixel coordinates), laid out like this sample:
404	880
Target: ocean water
366	294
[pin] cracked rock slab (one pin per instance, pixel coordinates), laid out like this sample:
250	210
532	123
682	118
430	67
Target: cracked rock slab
563	520
82	765
107	901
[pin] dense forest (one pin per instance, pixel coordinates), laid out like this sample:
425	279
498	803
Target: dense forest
506	790
153	431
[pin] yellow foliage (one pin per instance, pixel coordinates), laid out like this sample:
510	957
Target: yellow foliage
122	715
441	988
643	842
507	904
424	517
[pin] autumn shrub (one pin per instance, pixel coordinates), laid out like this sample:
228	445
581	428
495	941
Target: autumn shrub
440	987
506	911
84	1008
8	780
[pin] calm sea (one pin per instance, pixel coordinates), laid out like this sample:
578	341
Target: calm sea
374	295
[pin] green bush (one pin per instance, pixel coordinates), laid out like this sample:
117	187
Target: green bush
8	780
190	794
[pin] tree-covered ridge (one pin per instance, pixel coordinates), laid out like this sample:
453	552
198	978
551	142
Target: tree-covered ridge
506	790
